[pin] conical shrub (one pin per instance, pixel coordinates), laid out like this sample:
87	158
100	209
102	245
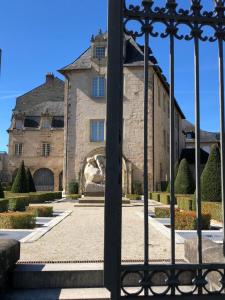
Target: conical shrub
1	191
31	185
211	177
184	183
20	184
175	175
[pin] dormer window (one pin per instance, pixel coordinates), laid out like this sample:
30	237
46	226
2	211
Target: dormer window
99	52
98	87
19	124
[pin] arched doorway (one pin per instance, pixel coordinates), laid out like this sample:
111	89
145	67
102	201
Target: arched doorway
61	181
44	180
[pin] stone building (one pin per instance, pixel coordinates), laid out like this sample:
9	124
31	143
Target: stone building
85	112
36	134
4	172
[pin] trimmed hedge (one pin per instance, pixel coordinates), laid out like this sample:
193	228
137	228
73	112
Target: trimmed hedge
133	196
4	205
43	197
154	196
40	211
164	212
18	203
73	196
17	220
164	198
184	182
186	202
186	220
214	209
30	181
20	183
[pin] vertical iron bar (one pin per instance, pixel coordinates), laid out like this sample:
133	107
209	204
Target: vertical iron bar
222	131
146	67
172	160
114	138
197	157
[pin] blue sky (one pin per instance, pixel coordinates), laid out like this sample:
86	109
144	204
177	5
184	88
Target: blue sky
42	36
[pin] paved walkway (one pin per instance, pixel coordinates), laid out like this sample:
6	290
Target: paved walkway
80	237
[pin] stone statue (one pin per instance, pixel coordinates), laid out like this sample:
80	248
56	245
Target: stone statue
94	174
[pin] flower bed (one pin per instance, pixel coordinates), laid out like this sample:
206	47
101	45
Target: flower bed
187	220
40	211
163	212
17	220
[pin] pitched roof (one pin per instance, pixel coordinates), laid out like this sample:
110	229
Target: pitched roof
189	154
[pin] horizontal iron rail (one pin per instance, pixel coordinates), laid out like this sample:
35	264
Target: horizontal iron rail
179	267
183	297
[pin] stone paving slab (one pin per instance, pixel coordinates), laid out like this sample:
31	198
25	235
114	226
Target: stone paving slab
80	237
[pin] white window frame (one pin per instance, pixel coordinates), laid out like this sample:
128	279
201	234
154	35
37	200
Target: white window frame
18	149
97	91
46	149
98	139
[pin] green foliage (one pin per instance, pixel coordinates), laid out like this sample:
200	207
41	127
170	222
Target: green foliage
39	197
211	177
185	202
137	188
6	186
1	191
163	212
164	198
184	183
133	196
18	203
17	220
214	209
175	175
40	211
31	185
4	205
187	220
73	187
20	184
73	196
155	196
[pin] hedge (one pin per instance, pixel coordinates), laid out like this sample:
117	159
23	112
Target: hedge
186	220
186	202
17	220
73	196
214	209
40	211
73	187
43	197
18	203
154	196
164	198
163	212
133	196
184	182
20	183
4	205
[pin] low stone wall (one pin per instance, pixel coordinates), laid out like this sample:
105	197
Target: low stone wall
9	255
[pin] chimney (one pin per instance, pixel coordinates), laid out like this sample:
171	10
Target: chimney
50	77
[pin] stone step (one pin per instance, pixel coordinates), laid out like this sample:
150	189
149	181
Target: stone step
50	276
58	294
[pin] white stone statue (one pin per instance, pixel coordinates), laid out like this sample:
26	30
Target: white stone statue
94	174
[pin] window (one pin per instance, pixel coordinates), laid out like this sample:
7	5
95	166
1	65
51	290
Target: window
19	124
99	52
46	122
97	131
18	149
98	87
45	149
58	122
32	122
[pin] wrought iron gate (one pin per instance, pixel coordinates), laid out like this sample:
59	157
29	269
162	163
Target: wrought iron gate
148	16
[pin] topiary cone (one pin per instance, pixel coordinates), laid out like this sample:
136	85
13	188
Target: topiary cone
184	183
31	185
1	191
20	184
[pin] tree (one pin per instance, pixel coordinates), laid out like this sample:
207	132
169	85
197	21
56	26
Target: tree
31	185
20	184
184	183
211	177
175	175
1	191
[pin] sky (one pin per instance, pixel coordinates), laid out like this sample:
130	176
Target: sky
42	36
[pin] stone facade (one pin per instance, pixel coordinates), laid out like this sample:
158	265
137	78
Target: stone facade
82	107
4	164
36	134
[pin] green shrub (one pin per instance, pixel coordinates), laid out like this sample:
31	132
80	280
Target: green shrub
6	186
185	202
4	205
133	196
155	196
163	212
1	191
214	209
137	188
186	220
73	196
18	203
39	197
20	184
31	185
211	177
164	198
40	211
73	187
17	220
184	183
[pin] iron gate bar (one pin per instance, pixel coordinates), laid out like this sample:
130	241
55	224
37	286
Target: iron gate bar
182	297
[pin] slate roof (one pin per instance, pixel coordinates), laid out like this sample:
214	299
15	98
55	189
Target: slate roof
48	96
134	57
189	154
